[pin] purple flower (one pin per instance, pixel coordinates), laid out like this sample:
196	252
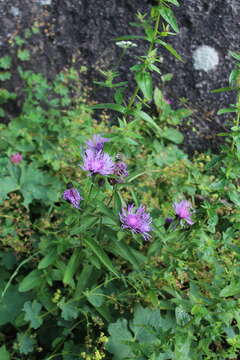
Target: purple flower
72	196
168	101
182	210
16	158
137	220
97	162
96	143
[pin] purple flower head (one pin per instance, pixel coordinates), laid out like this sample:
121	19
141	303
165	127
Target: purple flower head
168	101
72	196
96	142
137	220
97	162
16	158
120	170
182	210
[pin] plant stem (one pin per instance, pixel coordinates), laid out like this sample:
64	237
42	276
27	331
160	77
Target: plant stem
151	47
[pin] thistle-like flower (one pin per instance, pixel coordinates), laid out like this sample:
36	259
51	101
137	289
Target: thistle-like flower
136	220
97	162
182	210
16	158
72	196
96	142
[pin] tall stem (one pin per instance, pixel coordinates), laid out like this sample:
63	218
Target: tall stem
151	47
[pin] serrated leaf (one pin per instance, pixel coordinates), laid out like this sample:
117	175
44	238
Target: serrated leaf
95	296
5	76
120	336
7	185
182	317
26	343
5	62
23	55
32	313
11	304
69	310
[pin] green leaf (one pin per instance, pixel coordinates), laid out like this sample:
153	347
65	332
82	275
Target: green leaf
235	55
125	251
120	337
49	259
182	317
23	55
83	280
233	78
115	107
102	256
95	296
32	313
86	223
130	37
69	310
148	119
4	354
174	2
222	89
5	76
234	196
182	347
173	135
170	49
169	17
144	81
230	290
226	110
32	280
7	185
26	343
5	62
71	268
106	211
11	304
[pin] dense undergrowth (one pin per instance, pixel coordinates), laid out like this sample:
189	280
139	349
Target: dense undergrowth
114	244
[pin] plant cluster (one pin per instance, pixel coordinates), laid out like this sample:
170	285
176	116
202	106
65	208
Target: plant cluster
114	244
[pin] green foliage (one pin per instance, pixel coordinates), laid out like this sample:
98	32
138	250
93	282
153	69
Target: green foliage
74	283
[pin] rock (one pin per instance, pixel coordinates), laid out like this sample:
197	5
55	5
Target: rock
205	58
82	33
208	30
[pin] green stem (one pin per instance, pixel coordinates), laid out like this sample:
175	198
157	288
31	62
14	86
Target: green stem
151	47
237	121
16	272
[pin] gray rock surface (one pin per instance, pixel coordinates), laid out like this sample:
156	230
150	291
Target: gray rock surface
81	32
213	24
